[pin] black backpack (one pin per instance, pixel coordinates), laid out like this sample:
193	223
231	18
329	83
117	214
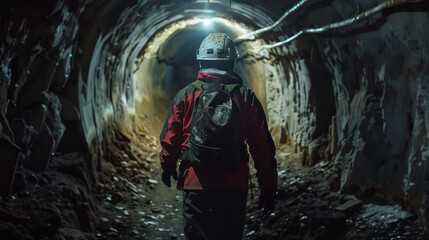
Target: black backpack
215	144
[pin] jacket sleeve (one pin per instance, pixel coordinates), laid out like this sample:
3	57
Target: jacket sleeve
171	137
261	145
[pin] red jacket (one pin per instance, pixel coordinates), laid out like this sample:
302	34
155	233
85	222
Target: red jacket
254	131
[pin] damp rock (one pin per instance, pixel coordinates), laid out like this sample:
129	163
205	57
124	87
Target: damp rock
10	155
19	183
103	223
152	181
82	212
116	197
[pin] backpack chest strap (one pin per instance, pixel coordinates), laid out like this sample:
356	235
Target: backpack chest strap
199	84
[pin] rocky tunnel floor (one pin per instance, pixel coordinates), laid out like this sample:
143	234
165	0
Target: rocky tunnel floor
130	202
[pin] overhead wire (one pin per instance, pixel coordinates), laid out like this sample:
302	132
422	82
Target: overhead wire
259	31
386	4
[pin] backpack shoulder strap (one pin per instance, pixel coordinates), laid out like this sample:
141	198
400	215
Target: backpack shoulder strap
198	84
231	87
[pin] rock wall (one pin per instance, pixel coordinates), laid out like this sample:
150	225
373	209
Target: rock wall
38	102
379	108
377	72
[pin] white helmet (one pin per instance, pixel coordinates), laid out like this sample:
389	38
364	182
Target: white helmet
217	46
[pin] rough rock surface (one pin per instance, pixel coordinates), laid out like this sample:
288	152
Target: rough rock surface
363	86
36	51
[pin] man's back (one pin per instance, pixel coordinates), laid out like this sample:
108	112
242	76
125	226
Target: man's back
253	129
214	204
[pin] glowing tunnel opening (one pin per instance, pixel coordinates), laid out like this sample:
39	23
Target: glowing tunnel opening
168	63
136	70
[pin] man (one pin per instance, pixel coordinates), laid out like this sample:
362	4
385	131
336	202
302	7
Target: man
208	131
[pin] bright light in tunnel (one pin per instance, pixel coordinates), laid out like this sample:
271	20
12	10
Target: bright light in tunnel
207	22
153	46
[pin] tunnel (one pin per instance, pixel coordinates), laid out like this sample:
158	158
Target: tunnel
86	87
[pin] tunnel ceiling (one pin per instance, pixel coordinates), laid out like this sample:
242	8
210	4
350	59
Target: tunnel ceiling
76	74
152	38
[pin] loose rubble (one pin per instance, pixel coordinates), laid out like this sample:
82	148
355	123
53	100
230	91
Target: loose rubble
308	209
64	203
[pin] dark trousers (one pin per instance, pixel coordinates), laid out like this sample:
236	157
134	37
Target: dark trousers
214	214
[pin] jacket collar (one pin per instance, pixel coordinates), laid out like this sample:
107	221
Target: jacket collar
209	74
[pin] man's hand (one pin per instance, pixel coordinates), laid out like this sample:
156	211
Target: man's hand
266	202
166	174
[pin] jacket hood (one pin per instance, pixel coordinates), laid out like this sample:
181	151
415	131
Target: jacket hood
209	74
